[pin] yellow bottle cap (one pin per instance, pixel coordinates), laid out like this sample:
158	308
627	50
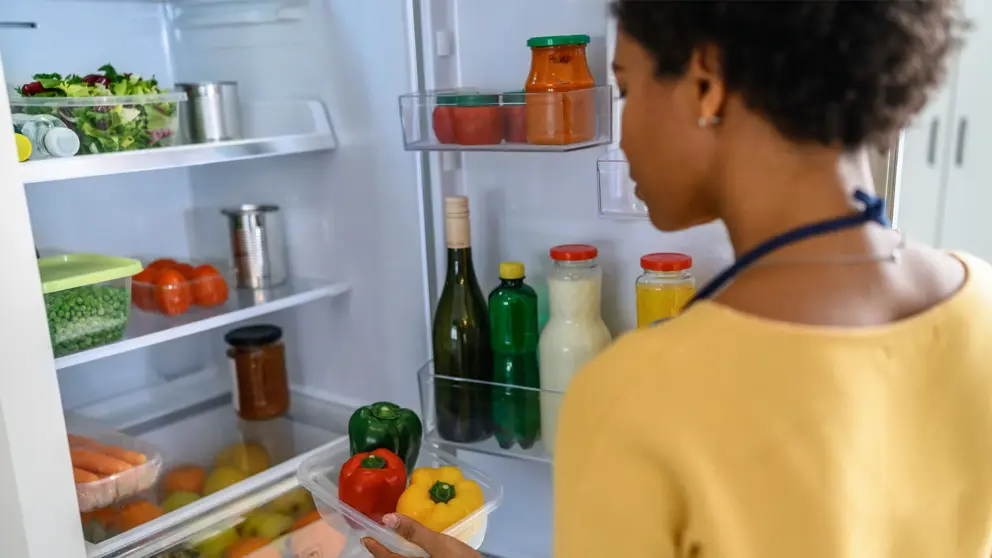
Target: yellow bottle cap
511	270
23	147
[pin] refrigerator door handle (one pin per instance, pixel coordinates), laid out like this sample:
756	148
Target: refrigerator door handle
962	135
932	143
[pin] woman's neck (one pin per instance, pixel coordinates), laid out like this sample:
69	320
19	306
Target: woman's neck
767	194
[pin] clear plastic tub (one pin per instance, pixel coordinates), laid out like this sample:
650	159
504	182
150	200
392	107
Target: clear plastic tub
319	474
89	435
86	299
172	298
112	124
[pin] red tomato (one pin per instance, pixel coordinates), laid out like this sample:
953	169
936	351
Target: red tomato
185	269
209	286
143	289
172	292
164	263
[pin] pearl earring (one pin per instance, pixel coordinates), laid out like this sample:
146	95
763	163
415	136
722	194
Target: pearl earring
705	121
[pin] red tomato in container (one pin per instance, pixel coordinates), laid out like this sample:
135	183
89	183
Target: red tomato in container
185	269
209	286
163	263
173	293
143	289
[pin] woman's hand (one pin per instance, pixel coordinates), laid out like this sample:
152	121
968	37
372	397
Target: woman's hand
436	544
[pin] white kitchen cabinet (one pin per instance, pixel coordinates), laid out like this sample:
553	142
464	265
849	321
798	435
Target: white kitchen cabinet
943	198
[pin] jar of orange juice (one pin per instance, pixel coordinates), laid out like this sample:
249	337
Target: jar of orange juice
565	111
665	287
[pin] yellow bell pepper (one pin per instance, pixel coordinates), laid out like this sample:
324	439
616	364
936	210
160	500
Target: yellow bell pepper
439	498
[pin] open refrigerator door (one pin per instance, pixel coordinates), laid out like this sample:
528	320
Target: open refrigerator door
359	190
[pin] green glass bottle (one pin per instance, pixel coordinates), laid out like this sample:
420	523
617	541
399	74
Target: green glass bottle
513	330
461	339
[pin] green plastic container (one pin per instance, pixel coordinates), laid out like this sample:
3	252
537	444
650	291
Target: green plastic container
87	299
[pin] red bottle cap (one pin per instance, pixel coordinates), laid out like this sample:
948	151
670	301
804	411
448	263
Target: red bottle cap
666	261
573	252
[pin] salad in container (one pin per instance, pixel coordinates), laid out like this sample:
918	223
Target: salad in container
110	112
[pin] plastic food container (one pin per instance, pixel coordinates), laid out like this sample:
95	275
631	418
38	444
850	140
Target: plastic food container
112	124
319	474
664	288
86	299
477	120
114	488
515	116
442	118
187	285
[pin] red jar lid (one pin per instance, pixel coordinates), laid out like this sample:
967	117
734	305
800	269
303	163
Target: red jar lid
573	252
666	261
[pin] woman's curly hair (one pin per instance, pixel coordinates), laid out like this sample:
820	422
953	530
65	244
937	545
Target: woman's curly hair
835	72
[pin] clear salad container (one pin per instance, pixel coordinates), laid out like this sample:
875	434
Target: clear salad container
319	474
93	447
87	299
111	124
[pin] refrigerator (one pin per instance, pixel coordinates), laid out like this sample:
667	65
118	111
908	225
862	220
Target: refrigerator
321	84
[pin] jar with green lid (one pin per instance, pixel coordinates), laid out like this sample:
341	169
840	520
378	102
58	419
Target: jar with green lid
476	119
561	105
515	116
441	118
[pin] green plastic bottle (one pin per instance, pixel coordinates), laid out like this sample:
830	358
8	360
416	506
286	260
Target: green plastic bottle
514	333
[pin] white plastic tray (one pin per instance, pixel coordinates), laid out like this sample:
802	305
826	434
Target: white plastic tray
319	474
114	488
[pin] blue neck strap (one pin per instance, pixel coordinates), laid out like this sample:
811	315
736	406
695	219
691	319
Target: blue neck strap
873	212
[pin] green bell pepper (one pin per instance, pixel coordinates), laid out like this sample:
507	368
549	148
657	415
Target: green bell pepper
388	426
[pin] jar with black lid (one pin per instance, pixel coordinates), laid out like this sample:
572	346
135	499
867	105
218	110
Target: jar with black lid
258	367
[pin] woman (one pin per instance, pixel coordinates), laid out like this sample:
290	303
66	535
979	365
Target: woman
829	396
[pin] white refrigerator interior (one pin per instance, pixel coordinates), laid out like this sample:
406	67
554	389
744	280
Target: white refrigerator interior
320	83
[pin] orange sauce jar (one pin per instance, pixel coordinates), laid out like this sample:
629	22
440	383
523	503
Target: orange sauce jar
564	113
258	364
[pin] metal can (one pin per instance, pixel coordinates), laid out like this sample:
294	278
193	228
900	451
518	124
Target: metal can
212	113
258	246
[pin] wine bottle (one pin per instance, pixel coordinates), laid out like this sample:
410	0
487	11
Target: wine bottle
461	338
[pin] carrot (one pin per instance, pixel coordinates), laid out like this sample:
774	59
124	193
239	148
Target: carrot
95	462
83	477
128	456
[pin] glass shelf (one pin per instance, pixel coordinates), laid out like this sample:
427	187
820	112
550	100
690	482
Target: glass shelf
473	120
616	189
491	406
149	328
272	128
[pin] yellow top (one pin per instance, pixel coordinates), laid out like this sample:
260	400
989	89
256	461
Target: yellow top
719	434
511	270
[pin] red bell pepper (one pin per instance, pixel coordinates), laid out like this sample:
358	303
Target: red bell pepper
372	483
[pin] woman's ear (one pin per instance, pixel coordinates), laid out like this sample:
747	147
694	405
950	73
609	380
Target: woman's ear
705	70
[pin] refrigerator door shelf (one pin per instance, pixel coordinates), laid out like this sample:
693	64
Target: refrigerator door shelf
581	118
616	189
548	400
